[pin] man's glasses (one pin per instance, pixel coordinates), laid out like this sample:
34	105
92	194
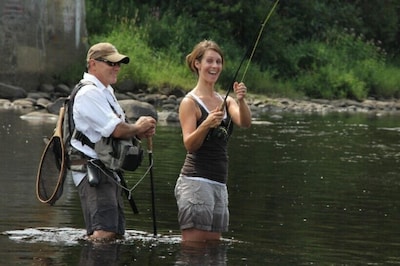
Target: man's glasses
111	64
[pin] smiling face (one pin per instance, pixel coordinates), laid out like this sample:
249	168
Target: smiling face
209	67
104	72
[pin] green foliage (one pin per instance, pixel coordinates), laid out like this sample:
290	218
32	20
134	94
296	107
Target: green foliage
102	16
71	74
147	66
332	83
324	49
342	66
384	80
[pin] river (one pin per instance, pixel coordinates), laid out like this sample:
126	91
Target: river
304	190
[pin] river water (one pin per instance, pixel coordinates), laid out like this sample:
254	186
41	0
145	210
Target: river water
304	190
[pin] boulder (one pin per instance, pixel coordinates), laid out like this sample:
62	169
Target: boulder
46	87
5	103
63	89
23	103
54	108
11	92
135	109
39	95
166	117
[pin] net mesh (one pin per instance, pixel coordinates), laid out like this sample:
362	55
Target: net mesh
51	171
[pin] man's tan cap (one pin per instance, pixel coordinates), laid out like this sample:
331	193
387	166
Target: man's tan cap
106	51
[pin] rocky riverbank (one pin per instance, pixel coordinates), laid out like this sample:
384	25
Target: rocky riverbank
163	104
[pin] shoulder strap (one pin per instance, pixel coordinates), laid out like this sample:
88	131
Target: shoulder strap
203	111
227	122
71	124
79	86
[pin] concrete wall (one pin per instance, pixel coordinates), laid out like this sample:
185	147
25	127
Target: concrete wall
39	39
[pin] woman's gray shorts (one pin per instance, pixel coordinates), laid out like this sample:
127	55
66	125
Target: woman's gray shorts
202	204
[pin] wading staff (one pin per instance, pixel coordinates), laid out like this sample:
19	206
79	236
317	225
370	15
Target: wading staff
153	207
251	55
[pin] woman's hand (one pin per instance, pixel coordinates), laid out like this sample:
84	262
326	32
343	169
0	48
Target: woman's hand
240	90
214	118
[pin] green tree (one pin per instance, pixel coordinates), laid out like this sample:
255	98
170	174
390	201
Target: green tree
322	48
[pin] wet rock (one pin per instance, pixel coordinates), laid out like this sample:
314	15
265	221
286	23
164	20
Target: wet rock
39	95
10	92
127	85
164	104
39	116
63	89
122	96
167	117
4	103
23	103
135	109
47	88
169	107
54	108
43	103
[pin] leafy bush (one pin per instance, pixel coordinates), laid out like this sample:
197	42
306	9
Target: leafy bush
343	66
147	66
385	82
305	50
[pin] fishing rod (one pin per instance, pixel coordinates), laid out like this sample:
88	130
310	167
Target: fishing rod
153	207
251	55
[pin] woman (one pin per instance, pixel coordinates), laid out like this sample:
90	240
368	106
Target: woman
206	122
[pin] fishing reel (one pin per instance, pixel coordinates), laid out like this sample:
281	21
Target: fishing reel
219	132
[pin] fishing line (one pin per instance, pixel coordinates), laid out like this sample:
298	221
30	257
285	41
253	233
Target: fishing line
114	178
141	179
251	55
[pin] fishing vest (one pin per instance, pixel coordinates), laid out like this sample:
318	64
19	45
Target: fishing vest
115	154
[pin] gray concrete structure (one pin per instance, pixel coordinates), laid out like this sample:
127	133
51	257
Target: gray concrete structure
39	39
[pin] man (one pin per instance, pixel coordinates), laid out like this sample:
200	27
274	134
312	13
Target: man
97	114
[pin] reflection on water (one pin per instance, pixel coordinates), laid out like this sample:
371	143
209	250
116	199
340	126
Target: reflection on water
103	253
303	190
99	254
198	254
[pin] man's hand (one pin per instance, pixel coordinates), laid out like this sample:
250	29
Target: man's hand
145	126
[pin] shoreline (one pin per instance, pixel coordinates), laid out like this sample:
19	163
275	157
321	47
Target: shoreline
323	106
166	106
164	103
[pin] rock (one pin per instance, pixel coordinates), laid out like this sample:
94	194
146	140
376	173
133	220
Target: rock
166	117
48	88
63	89
23	103
135	109
170	107
122	96
39	116
4	103
170	100
167	103
10	92
43	102
276	117
54	108
39	95
177	92
153	99
128	85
